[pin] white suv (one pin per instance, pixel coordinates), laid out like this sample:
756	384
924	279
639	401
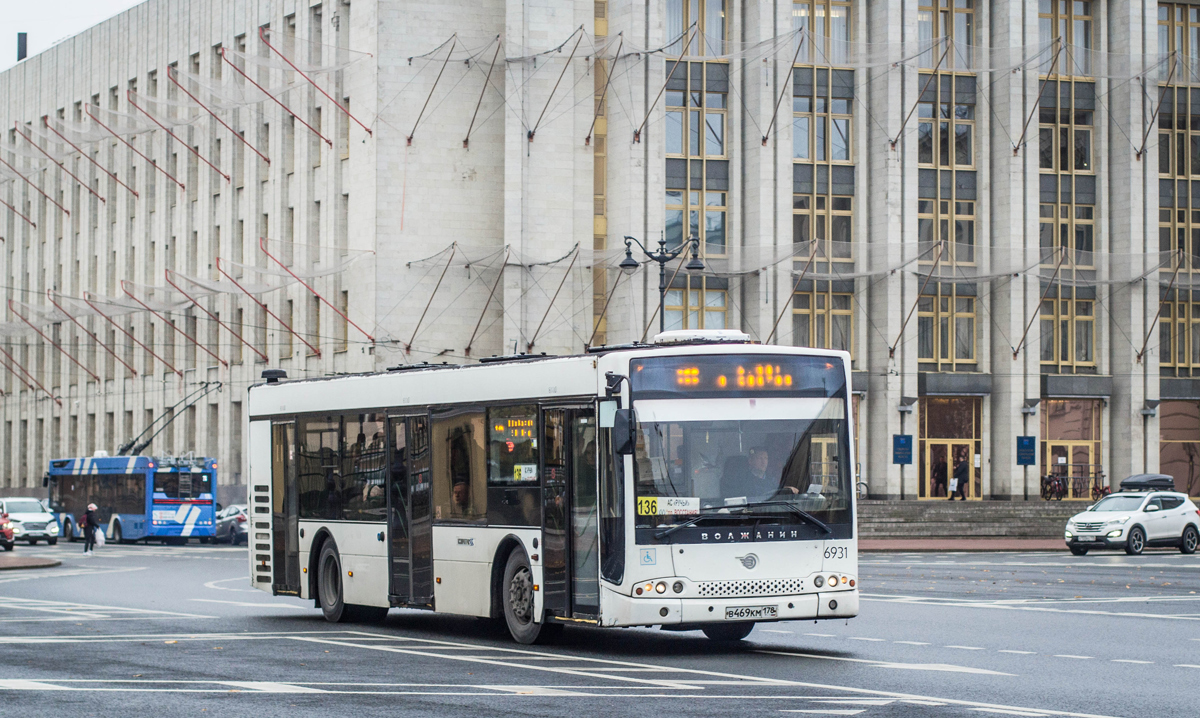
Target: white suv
1135	520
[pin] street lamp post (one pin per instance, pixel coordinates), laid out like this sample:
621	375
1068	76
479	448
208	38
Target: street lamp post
629	265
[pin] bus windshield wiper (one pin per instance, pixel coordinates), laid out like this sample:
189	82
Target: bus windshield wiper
690	522
795	510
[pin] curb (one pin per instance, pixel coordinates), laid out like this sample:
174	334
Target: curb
23	563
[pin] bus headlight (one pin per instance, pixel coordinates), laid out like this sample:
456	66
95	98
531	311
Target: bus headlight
660	587
833	581
819	581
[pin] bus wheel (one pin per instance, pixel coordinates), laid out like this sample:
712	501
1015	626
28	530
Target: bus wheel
117	536
728	631
329	584
517	595
69	531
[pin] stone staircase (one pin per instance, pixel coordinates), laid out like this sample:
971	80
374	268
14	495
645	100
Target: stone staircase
944	519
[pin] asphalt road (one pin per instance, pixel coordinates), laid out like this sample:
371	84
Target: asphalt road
152	630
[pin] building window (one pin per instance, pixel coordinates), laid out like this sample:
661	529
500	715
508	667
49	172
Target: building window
823	319
695	124
1179	335
1071	23
697	303
820	122
946	330
949	222
1065	126
709	16
1071	228
824	26
951	19
1179	450
710	206
828	220
946	130
1069	333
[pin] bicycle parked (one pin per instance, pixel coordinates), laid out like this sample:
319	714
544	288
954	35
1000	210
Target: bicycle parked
1054	487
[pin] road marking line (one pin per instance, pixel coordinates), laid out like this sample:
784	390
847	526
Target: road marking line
1186	665
913	643
16	684
860	638
965	648
1126	660
955	603
1019	653
271	687
767	630
856	701
824	711
213	585
944	667
1068	655
821	635
254	604
1008	712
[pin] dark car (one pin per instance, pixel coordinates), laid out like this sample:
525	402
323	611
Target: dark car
231	524
6	532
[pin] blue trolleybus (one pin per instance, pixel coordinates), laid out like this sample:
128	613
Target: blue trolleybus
137	497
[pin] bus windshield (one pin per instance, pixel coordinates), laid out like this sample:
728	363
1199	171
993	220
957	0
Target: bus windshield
770	455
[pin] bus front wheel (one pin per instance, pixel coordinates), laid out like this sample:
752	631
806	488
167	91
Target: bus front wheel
728	631
517	595
69	531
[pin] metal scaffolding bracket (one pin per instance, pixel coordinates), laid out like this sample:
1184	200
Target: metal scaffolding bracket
550	306
35	187
937	260
1170	285
1045	293
492	293
129	97
932	75
596	326
687	41
421	114
274	99
171	72
212	316
262	243
130	336
265	308
262	35
189	337
1150	126
113	354
53	343
136	151
786	87
788	304
1036	104
603	94
486	81
31	377
14	211
453	250
557	82
16	373
30	141
85	155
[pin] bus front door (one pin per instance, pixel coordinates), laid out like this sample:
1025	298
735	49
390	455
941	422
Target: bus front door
410	521
570	572
285	509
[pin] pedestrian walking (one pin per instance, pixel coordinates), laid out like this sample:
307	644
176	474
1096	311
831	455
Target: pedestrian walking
958	485
90	526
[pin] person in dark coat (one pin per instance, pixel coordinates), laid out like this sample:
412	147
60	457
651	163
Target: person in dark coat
90	524
961	470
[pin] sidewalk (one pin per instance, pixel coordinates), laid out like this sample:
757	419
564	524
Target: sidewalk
11	562
967	544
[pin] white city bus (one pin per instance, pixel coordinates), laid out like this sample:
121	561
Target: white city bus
702	482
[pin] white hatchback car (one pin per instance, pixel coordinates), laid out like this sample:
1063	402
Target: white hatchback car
1135	520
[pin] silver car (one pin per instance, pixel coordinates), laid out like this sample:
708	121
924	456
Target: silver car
1134	520
31	520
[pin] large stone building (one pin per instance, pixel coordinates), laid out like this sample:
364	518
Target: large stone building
987	202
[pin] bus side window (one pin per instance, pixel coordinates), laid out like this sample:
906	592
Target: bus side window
612	511
458	439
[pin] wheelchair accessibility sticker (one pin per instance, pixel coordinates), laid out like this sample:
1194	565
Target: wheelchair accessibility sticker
647	557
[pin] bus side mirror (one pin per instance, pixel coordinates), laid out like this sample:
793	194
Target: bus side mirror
45	480
622	432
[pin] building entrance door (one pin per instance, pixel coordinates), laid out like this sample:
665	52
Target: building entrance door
941	460
1075	462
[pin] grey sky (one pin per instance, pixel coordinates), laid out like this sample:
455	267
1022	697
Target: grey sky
48	21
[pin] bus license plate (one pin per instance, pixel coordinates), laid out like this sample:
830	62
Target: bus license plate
742	613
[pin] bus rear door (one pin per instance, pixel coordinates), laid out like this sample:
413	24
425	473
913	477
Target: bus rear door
569	526
410	522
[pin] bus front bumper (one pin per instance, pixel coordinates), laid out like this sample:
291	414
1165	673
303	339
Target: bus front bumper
666	611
